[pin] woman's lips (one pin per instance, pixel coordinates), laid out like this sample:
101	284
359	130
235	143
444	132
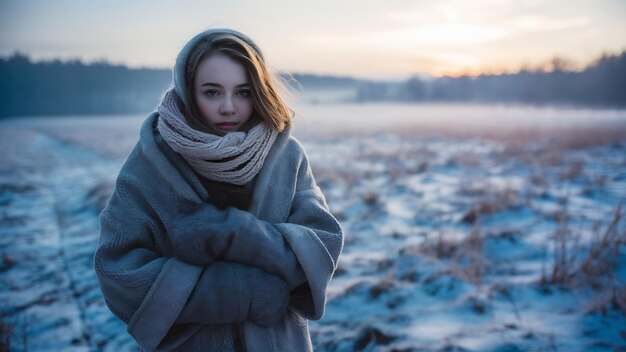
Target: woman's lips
227	125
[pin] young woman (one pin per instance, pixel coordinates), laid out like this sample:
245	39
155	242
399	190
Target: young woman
217	237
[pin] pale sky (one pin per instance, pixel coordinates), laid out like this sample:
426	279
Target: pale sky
360	38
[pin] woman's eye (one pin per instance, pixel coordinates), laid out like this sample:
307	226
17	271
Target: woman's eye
244	93
211	92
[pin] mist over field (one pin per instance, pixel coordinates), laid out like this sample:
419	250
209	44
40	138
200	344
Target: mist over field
469	227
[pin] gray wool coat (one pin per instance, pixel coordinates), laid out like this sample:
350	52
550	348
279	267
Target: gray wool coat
147	284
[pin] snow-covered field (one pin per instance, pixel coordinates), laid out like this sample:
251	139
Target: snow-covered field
468	228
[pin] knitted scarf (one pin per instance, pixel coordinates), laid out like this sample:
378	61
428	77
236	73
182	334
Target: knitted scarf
234	158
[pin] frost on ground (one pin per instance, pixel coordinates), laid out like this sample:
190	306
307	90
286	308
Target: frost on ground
475	245
455	241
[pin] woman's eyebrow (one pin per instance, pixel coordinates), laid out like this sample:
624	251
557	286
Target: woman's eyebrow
211	84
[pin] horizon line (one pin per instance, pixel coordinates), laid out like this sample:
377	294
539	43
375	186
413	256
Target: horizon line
547	66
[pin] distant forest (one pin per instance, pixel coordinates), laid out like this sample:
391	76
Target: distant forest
601	84
73	87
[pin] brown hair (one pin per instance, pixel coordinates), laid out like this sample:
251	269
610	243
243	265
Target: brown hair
264	87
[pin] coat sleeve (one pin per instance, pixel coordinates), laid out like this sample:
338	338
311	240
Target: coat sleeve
142	287
303	251
316	238
310	234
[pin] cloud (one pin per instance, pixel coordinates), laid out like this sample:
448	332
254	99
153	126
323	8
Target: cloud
452	33
431	35
537	23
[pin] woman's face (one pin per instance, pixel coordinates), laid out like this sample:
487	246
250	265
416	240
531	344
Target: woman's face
222	93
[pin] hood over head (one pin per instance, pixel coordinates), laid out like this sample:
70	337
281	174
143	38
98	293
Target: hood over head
185	52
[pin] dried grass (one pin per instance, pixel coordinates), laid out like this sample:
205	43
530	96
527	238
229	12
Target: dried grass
469	260
440	248
597	270
491	203
466	258
565	250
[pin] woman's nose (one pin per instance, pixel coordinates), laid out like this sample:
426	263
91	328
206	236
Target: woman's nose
227	107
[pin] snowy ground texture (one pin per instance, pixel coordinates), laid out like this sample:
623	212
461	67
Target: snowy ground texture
458	237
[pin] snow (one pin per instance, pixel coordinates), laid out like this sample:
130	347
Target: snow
452	222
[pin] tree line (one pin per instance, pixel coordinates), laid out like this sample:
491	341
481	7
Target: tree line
600	84
63	88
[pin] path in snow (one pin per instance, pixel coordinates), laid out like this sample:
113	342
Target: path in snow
50	297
